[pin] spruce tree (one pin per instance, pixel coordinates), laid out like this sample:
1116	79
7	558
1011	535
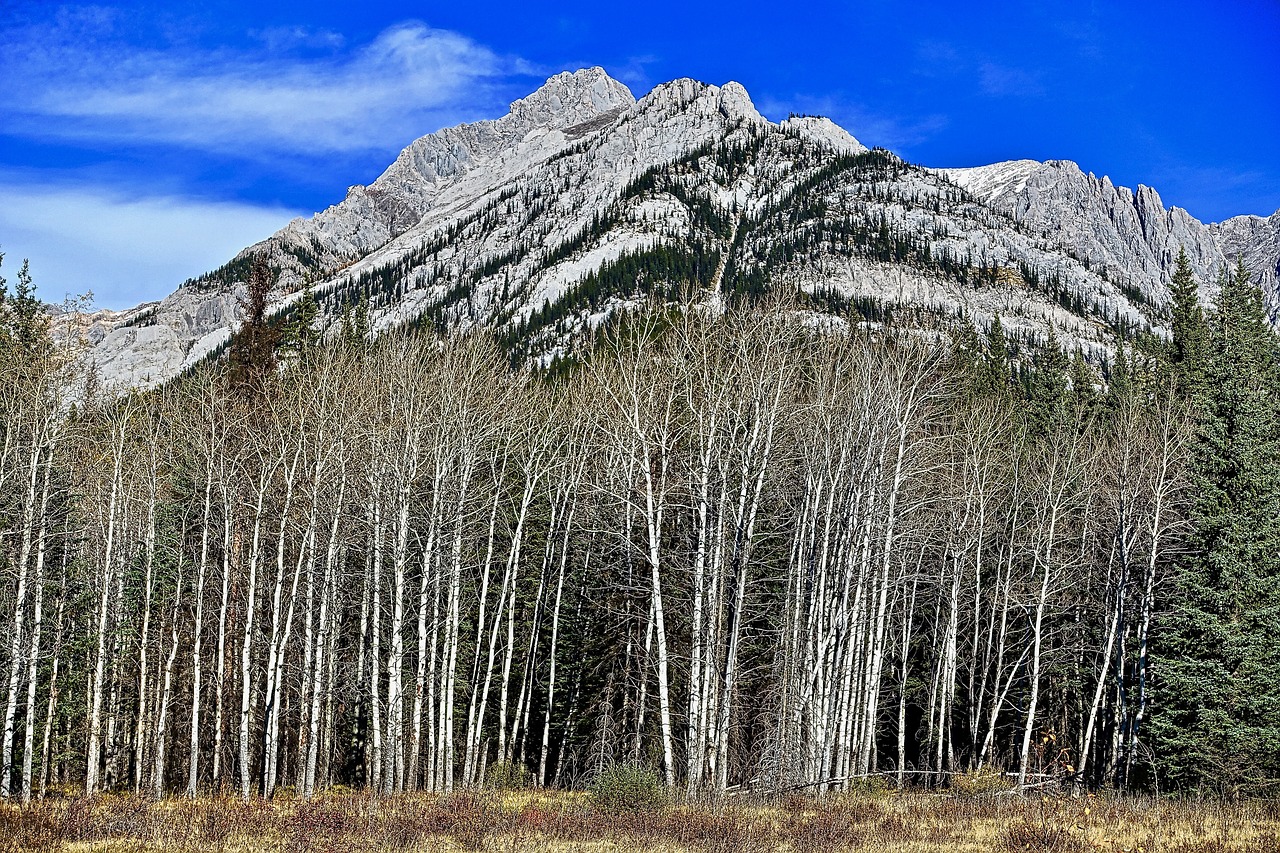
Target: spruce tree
24	327
300	336
1187	348
1084	388
997	370
967	358
1120	380
1049	399
355	329
1216	675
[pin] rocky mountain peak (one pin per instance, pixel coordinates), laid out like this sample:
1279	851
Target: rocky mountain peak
567	100
1256	241
570	98
581	201
736	103
824	130
989	183
687	95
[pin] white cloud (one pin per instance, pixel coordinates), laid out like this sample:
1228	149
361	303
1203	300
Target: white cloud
126	250
77	81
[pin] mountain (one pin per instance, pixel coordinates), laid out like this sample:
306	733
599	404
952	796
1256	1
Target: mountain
583	200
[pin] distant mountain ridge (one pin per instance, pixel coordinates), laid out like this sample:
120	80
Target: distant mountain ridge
582	200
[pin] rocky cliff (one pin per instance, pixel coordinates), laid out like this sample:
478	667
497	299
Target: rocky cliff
582	200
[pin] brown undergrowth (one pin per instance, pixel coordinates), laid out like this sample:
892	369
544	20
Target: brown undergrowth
914	822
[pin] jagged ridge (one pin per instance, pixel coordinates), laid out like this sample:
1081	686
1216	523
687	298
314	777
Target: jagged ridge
581	200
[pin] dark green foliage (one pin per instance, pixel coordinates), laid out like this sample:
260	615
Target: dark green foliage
997	372
831	301
299	335
1084	388
355	326
1187	349
306	260
1049	396
984	364
1217	685
24	329
1120	378
664	272
968	356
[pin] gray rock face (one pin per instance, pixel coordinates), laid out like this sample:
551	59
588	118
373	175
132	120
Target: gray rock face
152	346
1128	236
1256	241
582	200
489	152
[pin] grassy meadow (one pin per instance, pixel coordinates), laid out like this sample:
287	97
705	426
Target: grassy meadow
918	821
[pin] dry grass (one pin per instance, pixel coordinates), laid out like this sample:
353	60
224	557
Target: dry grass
918	822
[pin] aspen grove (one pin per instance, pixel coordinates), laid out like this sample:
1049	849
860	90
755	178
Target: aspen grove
744	549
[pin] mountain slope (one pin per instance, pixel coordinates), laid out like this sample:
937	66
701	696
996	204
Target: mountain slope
582	200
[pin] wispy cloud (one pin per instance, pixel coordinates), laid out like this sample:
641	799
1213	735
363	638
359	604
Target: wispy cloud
868	126
941	59
1214	192
1001	80
288	38
296	90
934	58
124	249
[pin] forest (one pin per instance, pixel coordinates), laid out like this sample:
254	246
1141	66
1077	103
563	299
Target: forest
746	549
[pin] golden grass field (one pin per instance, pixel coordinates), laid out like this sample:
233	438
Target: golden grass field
915	822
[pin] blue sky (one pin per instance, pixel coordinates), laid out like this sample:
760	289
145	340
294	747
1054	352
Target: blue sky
143	142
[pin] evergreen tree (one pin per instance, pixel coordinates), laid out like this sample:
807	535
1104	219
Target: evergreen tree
997	370
253	351
300	336
1120	379
1216	677
1048	388
1187	349
968	358
24	328
1084	388
355	325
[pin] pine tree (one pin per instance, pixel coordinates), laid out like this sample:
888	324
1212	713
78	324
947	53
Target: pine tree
1216	677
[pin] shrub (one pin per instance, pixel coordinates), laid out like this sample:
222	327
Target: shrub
1023	835
507	776
629	787
472	817
875	786
30	827
980	783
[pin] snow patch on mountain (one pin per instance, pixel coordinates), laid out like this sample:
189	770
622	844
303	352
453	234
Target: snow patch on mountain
989	183
498	222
